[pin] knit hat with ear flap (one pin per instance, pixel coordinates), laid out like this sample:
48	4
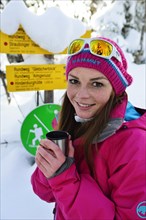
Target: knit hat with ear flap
114	70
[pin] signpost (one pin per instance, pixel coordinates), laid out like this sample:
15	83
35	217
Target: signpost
21	43
35	77
37	123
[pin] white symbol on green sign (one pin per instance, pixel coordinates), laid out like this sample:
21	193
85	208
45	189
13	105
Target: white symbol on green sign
38	134
37	123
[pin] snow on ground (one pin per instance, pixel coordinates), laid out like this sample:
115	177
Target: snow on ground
18	200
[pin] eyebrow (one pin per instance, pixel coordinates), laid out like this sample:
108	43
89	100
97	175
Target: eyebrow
73	76
97	78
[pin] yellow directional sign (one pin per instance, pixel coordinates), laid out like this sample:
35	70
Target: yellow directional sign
35	77
21	43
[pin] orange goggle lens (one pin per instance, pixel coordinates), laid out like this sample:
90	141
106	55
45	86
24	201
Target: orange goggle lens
97	47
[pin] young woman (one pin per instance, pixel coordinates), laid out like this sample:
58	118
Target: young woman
104	175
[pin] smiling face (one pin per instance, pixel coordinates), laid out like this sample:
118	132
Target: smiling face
88	91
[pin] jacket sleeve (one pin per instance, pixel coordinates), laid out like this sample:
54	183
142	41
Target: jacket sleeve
80	197
127	180
41	186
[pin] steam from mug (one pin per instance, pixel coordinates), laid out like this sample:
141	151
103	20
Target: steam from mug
61	138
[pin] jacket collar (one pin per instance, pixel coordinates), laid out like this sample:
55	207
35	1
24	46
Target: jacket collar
111	128
115	122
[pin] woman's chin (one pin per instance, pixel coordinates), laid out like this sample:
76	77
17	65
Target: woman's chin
84	116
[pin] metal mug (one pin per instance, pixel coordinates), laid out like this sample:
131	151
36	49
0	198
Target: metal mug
61	138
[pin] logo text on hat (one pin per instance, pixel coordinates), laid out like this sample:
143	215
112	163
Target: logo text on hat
87	60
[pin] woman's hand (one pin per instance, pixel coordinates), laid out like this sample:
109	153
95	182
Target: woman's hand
49	157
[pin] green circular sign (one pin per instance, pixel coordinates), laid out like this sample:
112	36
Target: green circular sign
37	123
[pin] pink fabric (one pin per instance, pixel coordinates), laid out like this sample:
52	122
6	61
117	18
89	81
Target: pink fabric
121	178
115	71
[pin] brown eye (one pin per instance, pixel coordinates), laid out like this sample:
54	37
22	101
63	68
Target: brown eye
97	84
73	81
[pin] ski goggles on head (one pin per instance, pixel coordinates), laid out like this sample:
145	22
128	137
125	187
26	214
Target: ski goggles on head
97	47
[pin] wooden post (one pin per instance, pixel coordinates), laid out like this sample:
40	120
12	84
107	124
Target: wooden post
3	77
48	94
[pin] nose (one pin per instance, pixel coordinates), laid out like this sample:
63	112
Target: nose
82	93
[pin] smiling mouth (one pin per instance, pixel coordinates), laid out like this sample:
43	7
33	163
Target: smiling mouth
84	105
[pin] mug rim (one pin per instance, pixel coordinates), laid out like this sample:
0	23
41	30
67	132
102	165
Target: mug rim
57	135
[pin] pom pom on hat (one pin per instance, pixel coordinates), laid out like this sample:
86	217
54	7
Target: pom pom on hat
114	70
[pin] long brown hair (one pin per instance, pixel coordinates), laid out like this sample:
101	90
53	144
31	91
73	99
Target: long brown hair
87	130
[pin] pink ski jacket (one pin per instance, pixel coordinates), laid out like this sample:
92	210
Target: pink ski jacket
119	191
